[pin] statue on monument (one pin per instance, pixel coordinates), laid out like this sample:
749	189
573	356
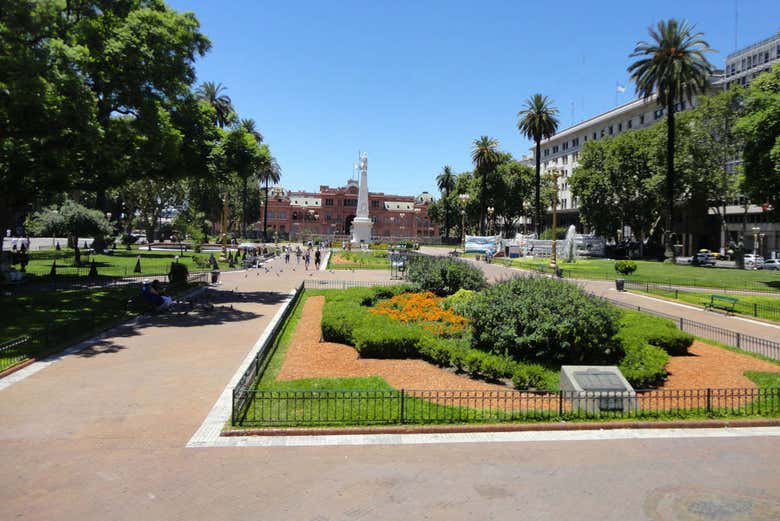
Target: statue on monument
361	225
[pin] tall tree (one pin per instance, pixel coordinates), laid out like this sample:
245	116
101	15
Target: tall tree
446	182
538	121
272	173
485	156
249	125
211	93
760	128
674	67
245	159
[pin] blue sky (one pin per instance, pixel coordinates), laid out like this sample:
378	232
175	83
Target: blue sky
414	83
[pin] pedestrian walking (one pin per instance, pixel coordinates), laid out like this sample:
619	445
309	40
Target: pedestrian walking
306	259
298	254
317	259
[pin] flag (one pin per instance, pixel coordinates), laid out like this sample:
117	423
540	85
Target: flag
621	88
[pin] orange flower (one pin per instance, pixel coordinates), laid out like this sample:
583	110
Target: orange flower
423	309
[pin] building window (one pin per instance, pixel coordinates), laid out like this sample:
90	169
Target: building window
602	132
565	159
546	152
555	149
610	130
594	135
641	119
630	123
375	203
584	139
328	202
620	127
575	142
350	202
575	156
566	145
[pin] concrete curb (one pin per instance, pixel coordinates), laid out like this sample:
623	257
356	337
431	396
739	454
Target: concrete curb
491	428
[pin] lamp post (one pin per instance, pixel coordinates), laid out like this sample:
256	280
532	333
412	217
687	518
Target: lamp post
554	252
490	211
761	243
464	199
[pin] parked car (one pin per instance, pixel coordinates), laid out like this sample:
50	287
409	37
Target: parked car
703	259
772	264
753	261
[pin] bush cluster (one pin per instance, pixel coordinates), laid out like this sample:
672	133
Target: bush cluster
178	273
544	321
347	319
625	267
648	341
443	276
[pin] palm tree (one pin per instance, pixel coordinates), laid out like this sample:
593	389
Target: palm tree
673	65
485	156
538	121
446	183
212	93
249	125
272	173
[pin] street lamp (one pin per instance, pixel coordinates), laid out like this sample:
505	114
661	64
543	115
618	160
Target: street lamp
464	199
490	211
554	253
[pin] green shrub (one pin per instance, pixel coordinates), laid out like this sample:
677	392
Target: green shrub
644	365
443	276
495	367
546	321
657	331
625	267
534	376
473	362
178	273
459	300
382	337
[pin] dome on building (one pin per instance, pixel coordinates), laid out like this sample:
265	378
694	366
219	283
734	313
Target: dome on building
424	198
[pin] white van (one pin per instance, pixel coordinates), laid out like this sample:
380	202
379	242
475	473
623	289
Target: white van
753	261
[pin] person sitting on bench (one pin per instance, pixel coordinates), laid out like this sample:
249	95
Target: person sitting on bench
153	293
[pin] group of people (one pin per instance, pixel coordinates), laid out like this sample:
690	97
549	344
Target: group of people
306	253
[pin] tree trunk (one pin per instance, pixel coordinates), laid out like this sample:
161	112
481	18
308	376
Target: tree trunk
243	209
482	204
668	238
446	215
538	218
265	213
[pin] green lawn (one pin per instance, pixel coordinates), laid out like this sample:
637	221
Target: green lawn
371	260
675	274
120	263
759	306
56	319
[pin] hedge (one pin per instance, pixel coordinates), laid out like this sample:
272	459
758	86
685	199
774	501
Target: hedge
443	276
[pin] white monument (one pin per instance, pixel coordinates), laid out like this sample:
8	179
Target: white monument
361	225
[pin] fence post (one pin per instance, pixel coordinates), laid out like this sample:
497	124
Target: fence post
709	400
681	324
401	416
738	339
560	404
755	309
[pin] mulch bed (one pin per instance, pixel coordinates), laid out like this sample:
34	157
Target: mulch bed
307	357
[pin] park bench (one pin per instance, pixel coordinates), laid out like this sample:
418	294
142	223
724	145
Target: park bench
722	302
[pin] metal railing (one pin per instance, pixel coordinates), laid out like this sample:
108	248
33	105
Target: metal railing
771	287
243	389
345	284
750	343
367	407
755	309
43	342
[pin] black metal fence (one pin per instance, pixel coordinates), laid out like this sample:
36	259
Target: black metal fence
242	392
761	346
345	284
771	286
42	342
355	407
755	309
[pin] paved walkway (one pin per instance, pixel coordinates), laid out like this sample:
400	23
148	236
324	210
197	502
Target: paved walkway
101	435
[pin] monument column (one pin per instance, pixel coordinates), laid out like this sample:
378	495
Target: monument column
361	226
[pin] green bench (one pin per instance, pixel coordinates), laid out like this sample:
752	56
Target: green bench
722	302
